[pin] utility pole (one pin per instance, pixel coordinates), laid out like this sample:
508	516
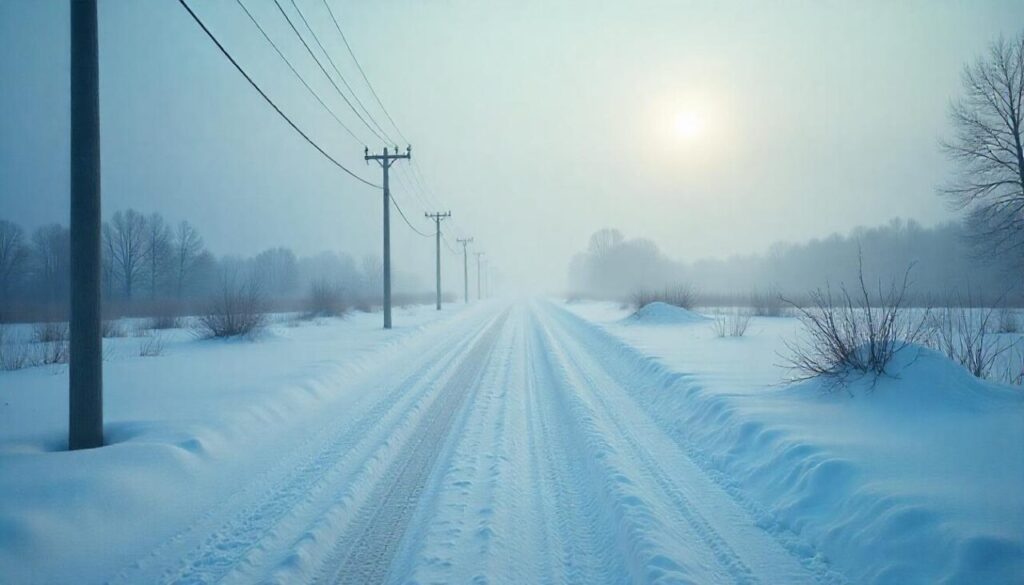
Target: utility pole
85	369
478	255
437	217
465	267
386	160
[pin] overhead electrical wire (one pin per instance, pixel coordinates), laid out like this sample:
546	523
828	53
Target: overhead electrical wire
326	74
448	245
334	66
363	73
415	186
407	222
299	75
263	94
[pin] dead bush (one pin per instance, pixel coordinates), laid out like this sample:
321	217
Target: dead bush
850	334
326	299
52	352
731	323
965	335
236	310
113	328
1007	321
50	331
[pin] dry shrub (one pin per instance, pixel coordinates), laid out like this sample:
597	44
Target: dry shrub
965	335
849	334
326	299
1007	321
236	311
113	328
732	323
52	352
50	331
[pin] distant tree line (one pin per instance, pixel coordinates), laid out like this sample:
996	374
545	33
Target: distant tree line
152	266
944	263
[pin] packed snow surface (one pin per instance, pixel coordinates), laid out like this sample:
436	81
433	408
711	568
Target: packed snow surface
524	442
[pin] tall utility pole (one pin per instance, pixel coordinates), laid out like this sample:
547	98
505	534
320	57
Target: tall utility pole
478	255
437	217
386	160
465	267
85	369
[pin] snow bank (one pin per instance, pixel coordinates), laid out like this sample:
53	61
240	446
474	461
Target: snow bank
916	479
659	313
188	432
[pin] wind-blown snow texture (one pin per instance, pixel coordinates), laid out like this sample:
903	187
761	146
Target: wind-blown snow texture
520	443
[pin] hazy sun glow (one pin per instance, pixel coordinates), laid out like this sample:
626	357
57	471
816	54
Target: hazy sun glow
688	125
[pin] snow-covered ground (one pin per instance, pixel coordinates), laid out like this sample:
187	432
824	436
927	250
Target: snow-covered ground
917	480
527	442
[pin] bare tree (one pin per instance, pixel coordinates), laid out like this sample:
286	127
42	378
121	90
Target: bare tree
277	271
125	238
158	251
989	149
51	258
188	246
13	257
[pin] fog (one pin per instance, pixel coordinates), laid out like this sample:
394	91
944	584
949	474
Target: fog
711	129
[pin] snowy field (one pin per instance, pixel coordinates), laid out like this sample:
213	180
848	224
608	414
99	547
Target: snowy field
527	442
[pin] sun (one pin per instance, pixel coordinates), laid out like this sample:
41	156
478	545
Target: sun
688	125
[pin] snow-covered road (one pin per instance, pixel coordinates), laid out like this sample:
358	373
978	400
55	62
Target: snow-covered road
511	442
506	453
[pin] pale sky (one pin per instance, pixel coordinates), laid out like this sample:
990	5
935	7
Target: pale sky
712	128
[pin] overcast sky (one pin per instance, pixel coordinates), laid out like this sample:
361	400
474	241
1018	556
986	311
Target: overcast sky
712	128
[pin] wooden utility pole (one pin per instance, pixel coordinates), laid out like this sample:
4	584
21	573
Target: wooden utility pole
85	369
465	267
437	217
478	255
386	160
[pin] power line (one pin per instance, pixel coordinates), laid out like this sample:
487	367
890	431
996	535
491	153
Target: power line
269	101
383	134
448	245
324	70
402	213
297	74
363	73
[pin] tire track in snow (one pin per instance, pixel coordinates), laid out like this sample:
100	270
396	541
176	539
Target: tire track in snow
708	535
645	548
306	476
457	534
602	377
377	532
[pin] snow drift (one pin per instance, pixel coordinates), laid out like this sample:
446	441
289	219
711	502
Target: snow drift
659	313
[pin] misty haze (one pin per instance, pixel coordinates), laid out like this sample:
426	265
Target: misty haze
313	291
